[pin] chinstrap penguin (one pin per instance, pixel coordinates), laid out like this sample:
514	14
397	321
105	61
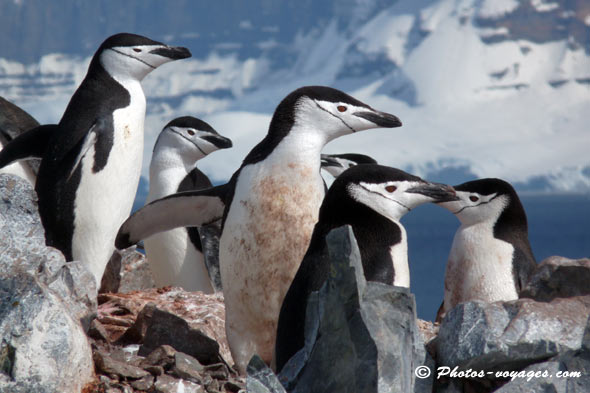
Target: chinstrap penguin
335	164
91	160
491	257
269	209
176	256
371	199
14	121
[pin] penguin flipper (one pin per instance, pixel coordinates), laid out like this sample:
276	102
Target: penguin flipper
31	144
190	208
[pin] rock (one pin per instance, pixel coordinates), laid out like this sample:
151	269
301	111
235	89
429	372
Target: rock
163	356
359	336
167	384
205	312
165	328
511	335
97	331
144	383
209	235
543	377
558	277
107	365
127	271
43	347
261	379
111	278
187	367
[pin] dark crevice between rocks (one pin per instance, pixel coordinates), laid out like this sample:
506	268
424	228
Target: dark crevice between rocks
7	353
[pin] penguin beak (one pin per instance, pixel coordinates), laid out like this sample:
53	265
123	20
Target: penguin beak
381	119
172	52
219	141
328	161
438	192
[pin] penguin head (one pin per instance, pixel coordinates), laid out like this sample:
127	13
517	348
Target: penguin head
388	191
190	138
327	112
485	200
133	56
335	164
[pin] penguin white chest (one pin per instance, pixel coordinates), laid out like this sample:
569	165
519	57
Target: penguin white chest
265	236
104	198
399	256
479	268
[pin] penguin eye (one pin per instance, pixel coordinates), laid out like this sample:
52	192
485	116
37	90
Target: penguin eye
341	108
390	188
136	50
473	198
191	132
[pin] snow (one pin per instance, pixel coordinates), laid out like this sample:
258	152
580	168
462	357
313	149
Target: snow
494	9
490	108
544	5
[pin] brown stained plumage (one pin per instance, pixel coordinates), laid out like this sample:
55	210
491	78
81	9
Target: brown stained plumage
274	234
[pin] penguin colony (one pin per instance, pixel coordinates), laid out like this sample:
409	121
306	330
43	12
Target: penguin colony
274	212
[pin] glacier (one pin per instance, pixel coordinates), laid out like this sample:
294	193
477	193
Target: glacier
479	93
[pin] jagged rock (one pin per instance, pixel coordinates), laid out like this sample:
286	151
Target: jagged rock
511	335
43	346
165	328
205	312
558	277
127	271
359	336
167	384
261	379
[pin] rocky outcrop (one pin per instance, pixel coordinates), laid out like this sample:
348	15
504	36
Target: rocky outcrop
534	339
359	336
511	335
44	303
559	277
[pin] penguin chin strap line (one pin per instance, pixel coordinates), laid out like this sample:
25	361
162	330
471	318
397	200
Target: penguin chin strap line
327	111
133	57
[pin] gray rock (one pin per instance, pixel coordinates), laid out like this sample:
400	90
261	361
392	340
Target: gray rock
360	336
111	278
165	328
143	384
511	335
127	271
187	367
261	379
573	368
167	384
558	277
43	346
209	235
107	365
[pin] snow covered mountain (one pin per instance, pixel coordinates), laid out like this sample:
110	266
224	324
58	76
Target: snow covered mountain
485	88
